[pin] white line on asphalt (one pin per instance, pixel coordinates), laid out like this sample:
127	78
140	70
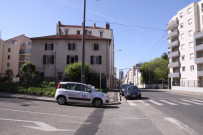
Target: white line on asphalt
155	102
197	100
181	125
191	102
131	103
61	115
167	102
183	103
127	118
142	102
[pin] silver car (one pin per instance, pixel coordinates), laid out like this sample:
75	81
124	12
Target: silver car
79	93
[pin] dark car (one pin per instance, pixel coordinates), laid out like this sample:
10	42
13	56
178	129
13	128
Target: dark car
132	92
122	88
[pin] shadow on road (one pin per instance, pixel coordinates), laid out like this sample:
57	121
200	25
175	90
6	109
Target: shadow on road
91	106
147	90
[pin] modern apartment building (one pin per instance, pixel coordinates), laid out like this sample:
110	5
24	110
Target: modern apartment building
14	53
51	54
185	36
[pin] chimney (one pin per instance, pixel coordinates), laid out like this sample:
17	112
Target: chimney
94	25
107	25
59	23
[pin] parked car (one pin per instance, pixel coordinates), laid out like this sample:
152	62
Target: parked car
79	93
132	92
122	88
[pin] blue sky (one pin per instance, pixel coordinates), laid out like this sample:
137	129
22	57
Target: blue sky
39	17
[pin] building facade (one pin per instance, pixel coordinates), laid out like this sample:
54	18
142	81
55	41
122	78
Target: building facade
185	50
14	53
51	54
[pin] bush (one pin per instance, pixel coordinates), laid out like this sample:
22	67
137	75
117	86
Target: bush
52	84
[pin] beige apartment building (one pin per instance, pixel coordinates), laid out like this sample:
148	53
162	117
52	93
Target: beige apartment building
13	54
51	54
185	34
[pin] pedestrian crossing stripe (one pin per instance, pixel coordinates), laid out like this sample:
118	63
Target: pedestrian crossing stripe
165	102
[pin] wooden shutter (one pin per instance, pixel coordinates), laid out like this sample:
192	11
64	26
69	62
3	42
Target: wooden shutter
76	58
52	46
44	59
100	59
68	59
69	46
52	59
45	46
91	59
73	46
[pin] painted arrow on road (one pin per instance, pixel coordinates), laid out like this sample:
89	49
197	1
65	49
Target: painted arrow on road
40	125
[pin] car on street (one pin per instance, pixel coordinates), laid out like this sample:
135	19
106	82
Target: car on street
122	88
74	92
132	92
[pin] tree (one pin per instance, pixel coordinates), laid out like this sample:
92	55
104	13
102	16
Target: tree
27	74
73	71
164	56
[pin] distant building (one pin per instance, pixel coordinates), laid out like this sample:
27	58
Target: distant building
51	54
14	53
121	75
185	36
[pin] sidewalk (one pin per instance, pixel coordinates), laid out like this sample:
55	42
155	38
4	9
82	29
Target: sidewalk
112	95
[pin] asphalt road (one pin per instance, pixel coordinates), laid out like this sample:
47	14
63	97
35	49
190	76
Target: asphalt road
156	114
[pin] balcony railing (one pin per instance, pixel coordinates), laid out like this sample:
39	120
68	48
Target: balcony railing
174	64
22	52
172	25
173	34
174	75
173	44
174	54
199	60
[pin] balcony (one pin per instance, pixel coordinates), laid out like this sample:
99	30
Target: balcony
173	44
199	60
172	25
199	47
174	75
199	73
174	54
174	64
22	52
21	60
173	34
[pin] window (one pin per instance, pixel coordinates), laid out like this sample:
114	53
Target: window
181	25
66	32
72	59
191	56
8	64
48	59
49	46
78	32
183	47
101	34
192	68
96	46
28	50
190	44
89	33
96	59
71	46
8	57
29	43
59	76
182	36
181	14
183	68
190	33
9	49
189	10
183	58
190	21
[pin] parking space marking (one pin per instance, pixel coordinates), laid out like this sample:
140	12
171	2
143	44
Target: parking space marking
167	102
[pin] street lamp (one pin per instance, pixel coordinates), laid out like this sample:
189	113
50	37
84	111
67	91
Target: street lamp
83	48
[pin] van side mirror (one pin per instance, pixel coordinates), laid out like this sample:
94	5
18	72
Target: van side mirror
89	90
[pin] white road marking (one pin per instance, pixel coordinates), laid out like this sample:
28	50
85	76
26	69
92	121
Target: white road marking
183	103
167	102
131	103
41	125
142	102
197	100
61	115
155	102
191	102
181	125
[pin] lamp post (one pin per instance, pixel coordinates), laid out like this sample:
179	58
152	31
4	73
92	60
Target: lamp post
83	48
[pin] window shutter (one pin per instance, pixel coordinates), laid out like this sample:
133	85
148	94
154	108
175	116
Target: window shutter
76	58
100	59
91	59
52	59
52	46
73	46
44	59
68	59
97	46
45	46
69	46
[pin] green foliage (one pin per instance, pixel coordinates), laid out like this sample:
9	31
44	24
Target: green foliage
155	70
27	75
73	71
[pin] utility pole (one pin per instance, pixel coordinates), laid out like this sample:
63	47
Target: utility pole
83	48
